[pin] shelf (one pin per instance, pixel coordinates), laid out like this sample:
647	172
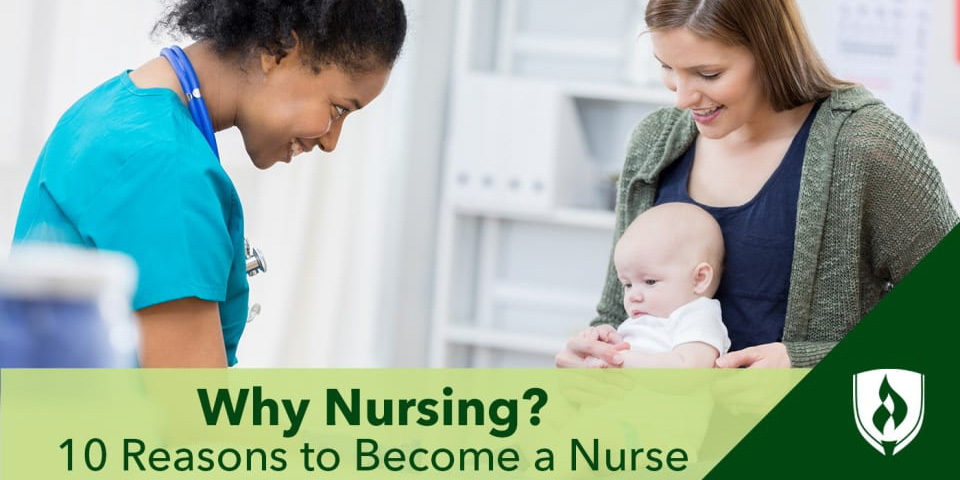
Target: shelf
504	340
577	47
571	217
554	297
619	92
542	105
614	92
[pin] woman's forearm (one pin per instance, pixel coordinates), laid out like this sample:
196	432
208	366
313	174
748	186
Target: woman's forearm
181	333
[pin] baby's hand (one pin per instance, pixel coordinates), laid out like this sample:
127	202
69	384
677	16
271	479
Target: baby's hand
594	362
602	342
602	333
590	333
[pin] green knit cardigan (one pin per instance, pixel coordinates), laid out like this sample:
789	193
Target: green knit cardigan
871	205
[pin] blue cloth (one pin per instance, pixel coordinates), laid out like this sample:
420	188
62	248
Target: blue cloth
126	169
758	236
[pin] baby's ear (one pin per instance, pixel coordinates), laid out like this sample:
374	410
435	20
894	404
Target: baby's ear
702	277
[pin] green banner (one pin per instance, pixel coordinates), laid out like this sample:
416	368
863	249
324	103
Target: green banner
880	404
292	424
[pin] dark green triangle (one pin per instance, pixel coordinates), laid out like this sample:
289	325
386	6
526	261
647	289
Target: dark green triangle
811	433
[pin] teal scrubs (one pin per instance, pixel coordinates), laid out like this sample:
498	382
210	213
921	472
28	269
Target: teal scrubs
126	169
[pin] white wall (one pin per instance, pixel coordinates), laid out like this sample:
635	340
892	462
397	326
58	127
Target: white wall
58	51
938	126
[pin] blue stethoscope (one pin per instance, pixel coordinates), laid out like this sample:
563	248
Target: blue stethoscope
191	87
256	262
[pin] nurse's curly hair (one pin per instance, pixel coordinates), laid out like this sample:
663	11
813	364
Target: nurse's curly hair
355	35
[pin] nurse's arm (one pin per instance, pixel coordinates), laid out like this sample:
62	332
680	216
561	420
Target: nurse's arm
181	333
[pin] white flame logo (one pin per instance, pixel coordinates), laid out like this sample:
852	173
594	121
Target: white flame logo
888	407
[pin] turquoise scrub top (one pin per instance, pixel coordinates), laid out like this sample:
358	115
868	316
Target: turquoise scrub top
126	169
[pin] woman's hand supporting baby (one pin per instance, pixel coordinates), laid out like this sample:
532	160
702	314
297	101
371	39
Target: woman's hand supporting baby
595	347
601	347
768	355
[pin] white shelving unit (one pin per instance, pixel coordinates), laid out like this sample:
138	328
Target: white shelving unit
545	94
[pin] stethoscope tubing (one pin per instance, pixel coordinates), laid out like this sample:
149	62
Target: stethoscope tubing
191	88
256	263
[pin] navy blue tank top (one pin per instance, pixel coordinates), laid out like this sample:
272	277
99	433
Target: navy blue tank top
758	236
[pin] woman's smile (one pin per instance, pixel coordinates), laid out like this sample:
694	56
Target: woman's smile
705	116
296	148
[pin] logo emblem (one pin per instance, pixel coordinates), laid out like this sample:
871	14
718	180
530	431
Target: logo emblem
888	407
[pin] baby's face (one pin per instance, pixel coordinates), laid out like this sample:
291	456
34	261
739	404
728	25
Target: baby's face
653	283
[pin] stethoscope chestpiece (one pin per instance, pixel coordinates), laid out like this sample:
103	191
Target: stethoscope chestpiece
256	262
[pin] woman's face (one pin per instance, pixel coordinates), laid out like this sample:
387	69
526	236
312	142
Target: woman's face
290	109
718	83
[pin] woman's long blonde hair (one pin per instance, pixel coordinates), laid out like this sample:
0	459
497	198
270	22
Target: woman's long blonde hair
791	71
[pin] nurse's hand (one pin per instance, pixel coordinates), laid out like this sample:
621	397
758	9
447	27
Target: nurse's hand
181	333
601	342
768	355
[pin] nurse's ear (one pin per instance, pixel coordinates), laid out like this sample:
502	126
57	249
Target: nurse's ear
270	61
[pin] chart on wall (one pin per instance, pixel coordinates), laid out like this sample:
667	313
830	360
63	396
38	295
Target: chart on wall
884	45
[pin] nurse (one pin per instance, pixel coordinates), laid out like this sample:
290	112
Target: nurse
131	168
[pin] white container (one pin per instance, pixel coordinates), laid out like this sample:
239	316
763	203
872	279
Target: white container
66	307
517	144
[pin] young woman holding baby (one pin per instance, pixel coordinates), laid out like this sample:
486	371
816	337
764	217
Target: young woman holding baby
825	197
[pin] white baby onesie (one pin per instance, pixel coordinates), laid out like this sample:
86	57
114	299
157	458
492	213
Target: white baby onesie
697	321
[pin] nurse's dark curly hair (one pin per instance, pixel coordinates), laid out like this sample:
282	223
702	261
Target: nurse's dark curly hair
355	35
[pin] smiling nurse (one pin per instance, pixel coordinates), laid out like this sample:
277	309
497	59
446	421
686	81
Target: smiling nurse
128	168
824	196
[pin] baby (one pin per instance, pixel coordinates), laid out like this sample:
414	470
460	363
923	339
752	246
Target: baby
669	262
